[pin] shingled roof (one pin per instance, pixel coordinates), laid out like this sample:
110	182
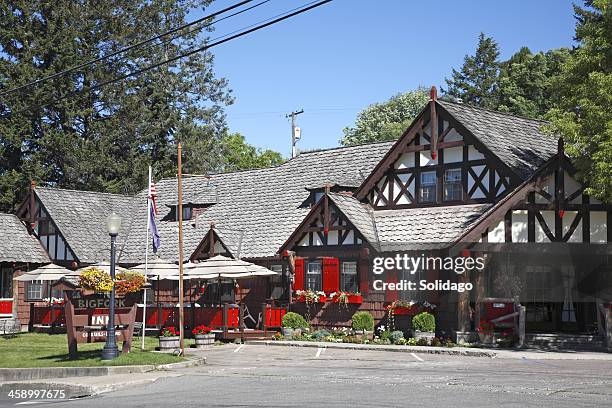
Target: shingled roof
257	209
519	142
80	216
18	245
397	229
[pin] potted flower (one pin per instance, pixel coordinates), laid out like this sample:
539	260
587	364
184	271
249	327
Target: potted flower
293	324
344	298
95	280
363	325
424	326
169	339
203	336
486	332
310	296
128	282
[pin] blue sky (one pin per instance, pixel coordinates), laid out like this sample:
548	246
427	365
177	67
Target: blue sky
335	60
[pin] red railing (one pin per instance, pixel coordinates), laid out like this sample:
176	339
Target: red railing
211	316
46	315
274	316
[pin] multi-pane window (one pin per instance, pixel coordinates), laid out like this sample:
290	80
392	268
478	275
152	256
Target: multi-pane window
348	277
452	185
6	282
313	275
427	191
35	290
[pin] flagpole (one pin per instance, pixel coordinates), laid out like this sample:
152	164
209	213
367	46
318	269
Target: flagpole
144	300
180	248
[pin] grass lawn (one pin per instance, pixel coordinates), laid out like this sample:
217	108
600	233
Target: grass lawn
44	350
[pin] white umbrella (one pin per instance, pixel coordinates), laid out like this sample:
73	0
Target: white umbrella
50	272
158	268
223	267
104	266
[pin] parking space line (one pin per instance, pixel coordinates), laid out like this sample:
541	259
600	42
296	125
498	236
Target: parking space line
319	351
417	357
237	349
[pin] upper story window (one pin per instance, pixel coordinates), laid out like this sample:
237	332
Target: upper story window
313	276
453	190
427	191
318	195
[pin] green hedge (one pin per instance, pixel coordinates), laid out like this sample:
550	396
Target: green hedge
363	321
424	322
294	321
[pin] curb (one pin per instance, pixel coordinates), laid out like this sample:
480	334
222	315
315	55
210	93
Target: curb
42	373
458	351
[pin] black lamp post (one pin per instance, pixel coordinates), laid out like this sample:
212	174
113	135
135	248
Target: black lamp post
110	350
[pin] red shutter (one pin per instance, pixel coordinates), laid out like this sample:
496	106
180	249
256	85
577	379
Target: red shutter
298	283
391	295
331	275
364	284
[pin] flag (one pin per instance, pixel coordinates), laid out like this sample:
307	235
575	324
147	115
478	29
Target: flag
152	214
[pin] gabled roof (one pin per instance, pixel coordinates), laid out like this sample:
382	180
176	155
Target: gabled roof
397	229
258	209
359	214
80	216
17	245
519	142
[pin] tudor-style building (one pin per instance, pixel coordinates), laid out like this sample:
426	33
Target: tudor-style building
459	177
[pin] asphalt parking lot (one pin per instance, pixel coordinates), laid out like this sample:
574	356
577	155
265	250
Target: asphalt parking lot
266	376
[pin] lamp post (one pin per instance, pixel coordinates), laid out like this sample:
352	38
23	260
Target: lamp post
110	350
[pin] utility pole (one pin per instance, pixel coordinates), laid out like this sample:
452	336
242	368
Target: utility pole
294	137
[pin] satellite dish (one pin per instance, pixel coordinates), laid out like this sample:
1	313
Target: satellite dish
298	133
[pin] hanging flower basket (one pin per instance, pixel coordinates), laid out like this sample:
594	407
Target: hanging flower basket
128	282
95	280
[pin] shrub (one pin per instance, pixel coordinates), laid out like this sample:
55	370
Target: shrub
385	335
294	321
424	322
321	334
396	336
436	342
422	342
401	342
411	341
363	321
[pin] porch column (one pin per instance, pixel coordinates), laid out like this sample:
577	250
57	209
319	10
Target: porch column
463	305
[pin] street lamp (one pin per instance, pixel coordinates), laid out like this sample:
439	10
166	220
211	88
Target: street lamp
110	350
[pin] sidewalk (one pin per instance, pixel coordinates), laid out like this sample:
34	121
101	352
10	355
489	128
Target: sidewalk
456	351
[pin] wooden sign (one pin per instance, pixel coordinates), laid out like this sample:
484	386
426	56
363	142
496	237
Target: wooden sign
87	319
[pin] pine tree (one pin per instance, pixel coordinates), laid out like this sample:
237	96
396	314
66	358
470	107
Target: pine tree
476	82
584	115
62	134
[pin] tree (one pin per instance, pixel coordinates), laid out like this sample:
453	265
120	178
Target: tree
387	120
64	133
584	115
526	82
476	82
240	155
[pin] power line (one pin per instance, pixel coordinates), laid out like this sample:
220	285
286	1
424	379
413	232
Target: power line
139	44
229	37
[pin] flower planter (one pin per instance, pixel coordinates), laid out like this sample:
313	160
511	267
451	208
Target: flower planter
302	299
364	335
487	339
429	336
287	332
169	342
403	311
351	299
204	340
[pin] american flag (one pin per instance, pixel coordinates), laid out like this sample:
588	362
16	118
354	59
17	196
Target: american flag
153	197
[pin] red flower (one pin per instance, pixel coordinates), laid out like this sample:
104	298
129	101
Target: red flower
202	329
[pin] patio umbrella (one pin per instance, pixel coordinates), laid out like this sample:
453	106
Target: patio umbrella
159	269
223	267
50	272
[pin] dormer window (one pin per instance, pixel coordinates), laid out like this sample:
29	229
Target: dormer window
427	191
318	195
187	213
